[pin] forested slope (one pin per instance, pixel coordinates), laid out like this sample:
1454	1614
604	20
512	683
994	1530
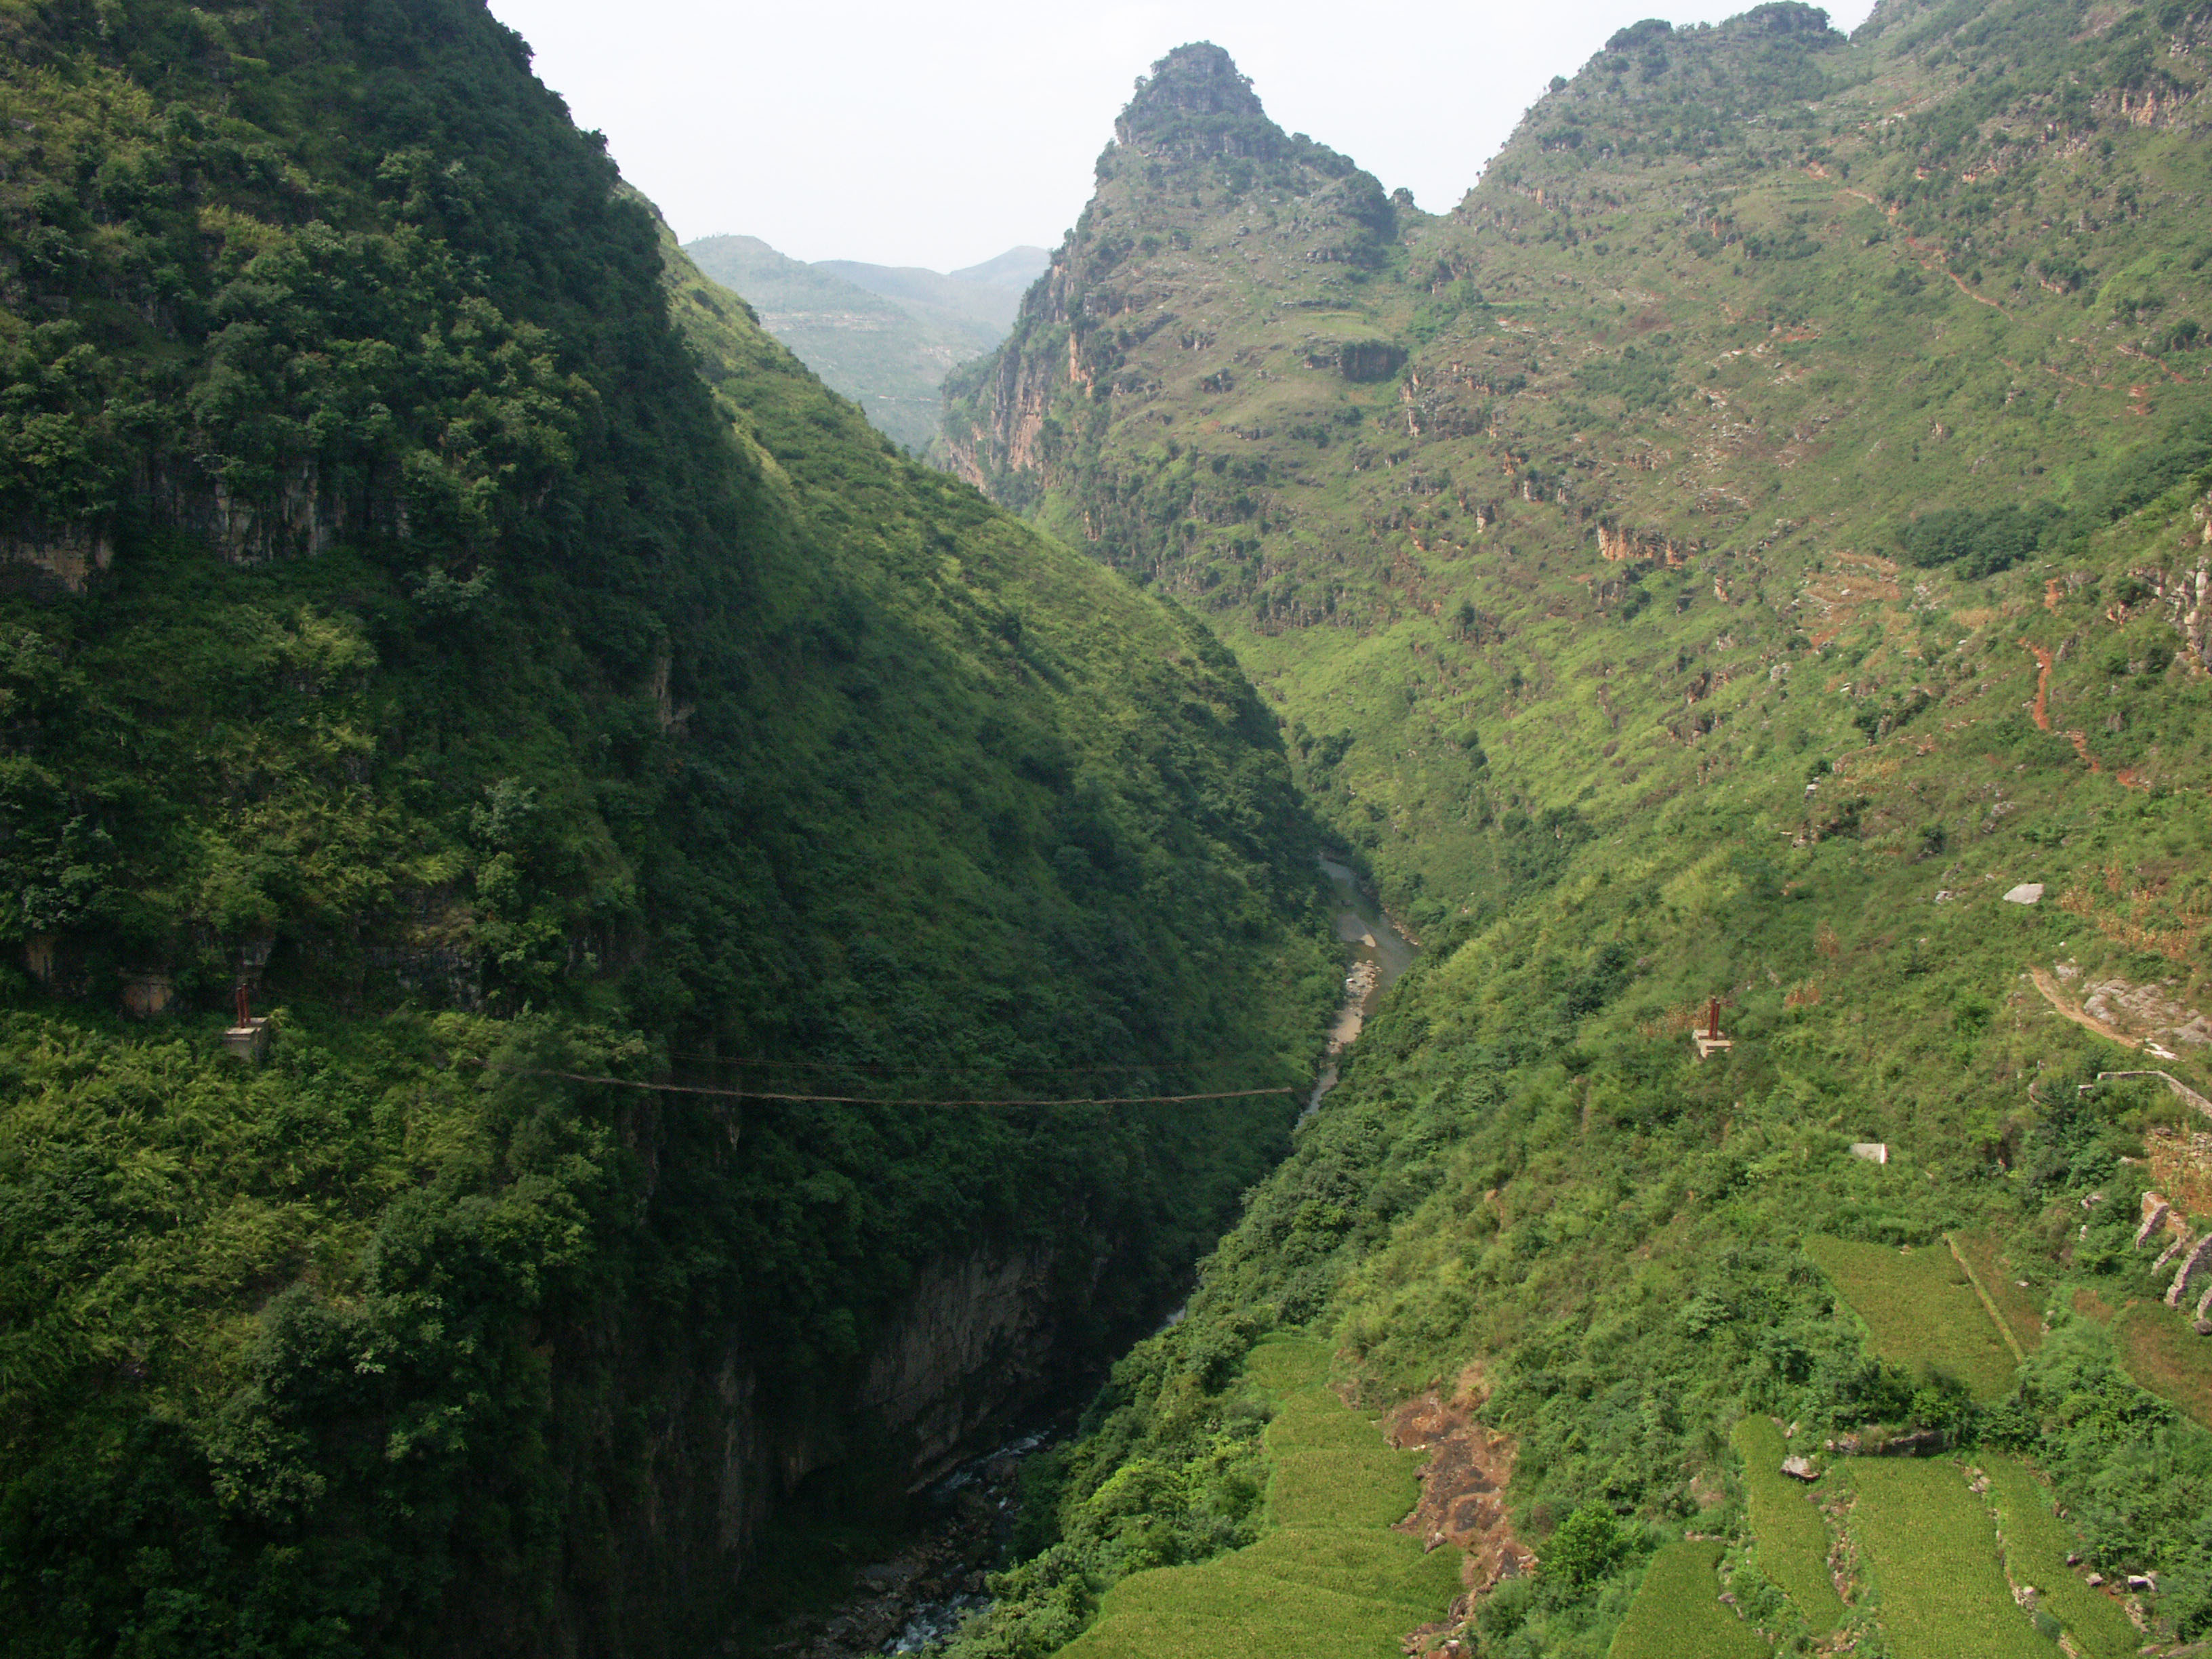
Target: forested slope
1757	530
535	685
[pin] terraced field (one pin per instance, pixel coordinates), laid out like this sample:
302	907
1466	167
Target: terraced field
1931	1552
1793	1538
1330	1580
1921	1310
2018	1308
1677	1613
2166	1357
2036	1544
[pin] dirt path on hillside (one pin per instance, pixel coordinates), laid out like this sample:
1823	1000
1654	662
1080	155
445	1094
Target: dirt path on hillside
2046	983
2080	742
2043	661
1936	258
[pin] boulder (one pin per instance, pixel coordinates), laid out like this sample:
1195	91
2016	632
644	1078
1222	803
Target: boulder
2028	892
1800	1468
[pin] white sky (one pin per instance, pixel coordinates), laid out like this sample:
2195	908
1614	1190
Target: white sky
916	135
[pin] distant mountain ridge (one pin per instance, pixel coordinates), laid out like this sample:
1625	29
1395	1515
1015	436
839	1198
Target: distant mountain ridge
993	300
1017	268
884	336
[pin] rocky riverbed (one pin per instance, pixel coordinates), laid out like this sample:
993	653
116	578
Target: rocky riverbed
1379	952
924	1592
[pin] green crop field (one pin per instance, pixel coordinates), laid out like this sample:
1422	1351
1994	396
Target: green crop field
2036	1543
1920	1309
2019	1305
1678	1613
1931	1556
1793	1538
2166	1357
1329	1578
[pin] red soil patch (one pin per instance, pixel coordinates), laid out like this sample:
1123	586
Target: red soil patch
2042	686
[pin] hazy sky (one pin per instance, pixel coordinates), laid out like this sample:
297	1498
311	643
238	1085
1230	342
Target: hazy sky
939	136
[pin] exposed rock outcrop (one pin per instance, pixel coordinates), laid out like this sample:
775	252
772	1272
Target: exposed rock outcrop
1462	1485
1196	105
69	556
1617	545
2194	1266
974	1335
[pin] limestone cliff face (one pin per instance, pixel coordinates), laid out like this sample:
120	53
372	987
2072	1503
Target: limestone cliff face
979	1339
706	1452
976	1337
302	512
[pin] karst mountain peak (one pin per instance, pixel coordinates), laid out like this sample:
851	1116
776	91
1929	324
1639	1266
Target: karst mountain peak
1196	103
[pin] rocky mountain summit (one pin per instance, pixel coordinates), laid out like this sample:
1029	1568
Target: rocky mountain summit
1167	252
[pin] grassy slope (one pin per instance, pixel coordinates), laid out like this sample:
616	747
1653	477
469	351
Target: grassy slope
1931	1556
1920	1310
1673	324
2011	1296
1606	789
662	723
1678	1614
1327	1576
1793	1541
2036	1545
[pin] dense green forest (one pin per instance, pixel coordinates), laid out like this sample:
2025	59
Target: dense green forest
1760	529
430	600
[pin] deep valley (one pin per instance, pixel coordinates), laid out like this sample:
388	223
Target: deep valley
1485	934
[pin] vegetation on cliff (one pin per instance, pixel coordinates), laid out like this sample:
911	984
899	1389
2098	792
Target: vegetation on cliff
428	596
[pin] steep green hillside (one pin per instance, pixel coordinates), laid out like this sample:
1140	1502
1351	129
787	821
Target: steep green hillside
540	690
1703	334
885	336
1761	527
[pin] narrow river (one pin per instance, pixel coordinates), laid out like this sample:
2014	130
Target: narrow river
1379	953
